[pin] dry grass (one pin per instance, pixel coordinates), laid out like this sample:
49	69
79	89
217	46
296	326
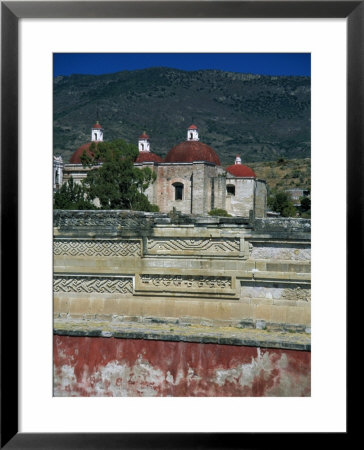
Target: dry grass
284	174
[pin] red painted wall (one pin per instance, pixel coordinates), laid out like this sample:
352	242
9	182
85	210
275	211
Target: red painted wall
87	366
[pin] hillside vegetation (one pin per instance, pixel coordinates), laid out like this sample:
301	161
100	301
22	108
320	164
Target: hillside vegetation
262	118
284	174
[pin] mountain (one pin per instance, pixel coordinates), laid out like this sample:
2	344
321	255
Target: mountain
260	117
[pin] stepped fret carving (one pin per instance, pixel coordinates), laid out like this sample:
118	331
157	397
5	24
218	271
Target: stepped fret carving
186	281
99	285
97	247
212	245
297	294
103	219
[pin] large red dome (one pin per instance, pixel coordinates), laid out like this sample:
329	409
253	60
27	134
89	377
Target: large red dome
239	170
76	157
148	157
190	151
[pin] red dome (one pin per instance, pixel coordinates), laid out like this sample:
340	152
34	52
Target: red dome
239	170
97	125
190	151
144	136
76	157
192	127
148	157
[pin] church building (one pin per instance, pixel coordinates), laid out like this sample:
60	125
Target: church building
190	178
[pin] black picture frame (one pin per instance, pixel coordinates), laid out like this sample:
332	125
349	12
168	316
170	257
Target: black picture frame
11	12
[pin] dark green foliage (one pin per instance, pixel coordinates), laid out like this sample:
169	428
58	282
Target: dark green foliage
117	184
219	212
305	207
72	196
305	204
281	202
263	118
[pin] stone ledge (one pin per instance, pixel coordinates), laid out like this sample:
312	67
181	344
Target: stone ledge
178	333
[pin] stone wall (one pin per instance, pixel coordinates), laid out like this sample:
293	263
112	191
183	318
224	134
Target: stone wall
122	265
260	199
200	190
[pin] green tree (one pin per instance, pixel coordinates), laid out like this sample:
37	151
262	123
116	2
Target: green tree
305	207
72	195
116	183
305	204
281	202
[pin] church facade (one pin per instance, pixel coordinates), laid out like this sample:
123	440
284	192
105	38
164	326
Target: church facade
190	178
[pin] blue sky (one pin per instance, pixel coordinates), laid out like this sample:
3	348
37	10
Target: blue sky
257	63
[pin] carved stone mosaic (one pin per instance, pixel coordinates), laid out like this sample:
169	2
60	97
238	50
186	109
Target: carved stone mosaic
297	294
275	291
195	245
98	247
279	252
102	219
186	281
89	284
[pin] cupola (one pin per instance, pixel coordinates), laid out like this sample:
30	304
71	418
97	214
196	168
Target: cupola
192	133
145	155
97	132
143	143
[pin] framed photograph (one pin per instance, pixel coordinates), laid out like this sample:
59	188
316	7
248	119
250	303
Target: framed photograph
208	271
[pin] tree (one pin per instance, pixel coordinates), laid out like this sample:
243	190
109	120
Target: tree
281	202
72	195
305	204
306	207
117	184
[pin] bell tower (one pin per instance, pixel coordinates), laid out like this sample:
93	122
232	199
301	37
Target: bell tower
192	133
143	143
97	132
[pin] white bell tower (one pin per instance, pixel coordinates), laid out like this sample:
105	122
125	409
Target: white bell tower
143	143
237	159
192	133
97	132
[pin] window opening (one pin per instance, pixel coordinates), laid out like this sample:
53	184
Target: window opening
178	191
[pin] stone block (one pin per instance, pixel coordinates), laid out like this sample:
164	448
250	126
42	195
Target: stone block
278	314
240	310
79	306
261	312
96	305
260	324
261	301
295	315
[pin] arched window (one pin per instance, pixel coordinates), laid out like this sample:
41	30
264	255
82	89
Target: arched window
191	135
178	191
95	134
230	189
142	146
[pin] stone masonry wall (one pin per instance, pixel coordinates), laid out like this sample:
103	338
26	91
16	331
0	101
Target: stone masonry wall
129	266
260	198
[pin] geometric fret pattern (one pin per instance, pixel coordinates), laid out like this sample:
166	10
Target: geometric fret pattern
98	247
90	284
211	245
185	281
